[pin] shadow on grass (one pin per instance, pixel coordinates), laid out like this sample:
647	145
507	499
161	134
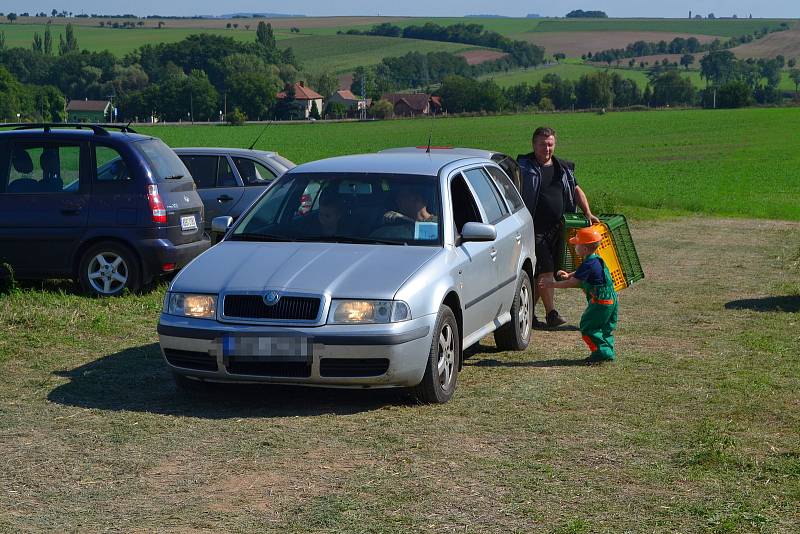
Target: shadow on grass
137	379
788	304
557	362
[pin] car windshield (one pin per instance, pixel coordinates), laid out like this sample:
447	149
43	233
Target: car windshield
164	163
393	209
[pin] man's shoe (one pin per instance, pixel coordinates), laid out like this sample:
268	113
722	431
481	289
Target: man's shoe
536	324
554	319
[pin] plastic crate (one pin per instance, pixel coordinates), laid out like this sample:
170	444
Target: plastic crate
616	249
626	250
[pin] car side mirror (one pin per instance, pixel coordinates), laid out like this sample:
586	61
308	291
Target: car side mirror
220	225
475	231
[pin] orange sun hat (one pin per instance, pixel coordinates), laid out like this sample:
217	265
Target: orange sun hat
586	236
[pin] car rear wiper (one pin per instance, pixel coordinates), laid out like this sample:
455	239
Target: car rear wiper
259	237
174	177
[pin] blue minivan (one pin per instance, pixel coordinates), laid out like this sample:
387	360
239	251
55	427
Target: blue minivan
111	209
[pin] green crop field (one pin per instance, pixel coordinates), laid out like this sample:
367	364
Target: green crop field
693	429
726	162
343	53
119	41
720	27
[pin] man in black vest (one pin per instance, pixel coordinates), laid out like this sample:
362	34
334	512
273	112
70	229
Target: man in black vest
549	190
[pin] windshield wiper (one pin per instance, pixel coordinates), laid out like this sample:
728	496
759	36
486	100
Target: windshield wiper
351	239
259	237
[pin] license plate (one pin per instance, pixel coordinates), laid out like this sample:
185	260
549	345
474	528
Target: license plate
259	349
188	222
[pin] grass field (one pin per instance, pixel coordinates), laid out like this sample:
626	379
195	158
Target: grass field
695	429
720	27
726	162
341	54
119	41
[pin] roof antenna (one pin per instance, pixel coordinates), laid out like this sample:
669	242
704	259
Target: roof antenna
259	135
428	150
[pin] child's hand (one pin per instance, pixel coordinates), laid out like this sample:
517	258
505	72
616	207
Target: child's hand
562	275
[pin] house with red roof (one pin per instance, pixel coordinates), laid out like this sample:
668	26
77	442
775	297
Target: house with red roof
305	95
412	104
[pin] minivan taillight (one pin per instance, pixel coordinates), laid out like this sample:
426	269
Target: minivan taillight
156	205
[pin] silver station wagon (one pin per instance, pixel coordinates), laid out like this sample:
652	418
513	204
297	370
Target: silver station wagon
401	262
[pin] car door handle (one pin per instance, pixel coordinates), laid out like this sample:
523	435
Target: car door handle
70	211
493	253
224	198
518	237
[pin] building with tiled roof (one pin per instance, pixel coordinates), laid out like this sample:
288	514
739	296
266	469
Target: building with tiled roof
410	104
89	111
304	94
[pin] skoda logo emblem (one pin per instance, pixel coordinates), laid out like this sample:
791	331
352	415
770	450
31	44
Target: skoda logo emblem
271	298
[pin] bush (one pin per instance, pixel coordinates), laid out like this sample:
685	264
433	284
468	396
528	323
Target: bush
236	117
382	109
545	104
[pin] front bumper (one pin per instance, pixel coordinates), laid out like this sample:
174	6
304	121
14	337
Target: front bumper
340	355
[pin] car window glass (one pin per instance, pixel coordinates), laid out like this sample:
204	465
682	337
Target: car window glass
488	196
465	209
382	208
163	162
253	172
44	168
509	190
510	167
225	177
110	166
203	170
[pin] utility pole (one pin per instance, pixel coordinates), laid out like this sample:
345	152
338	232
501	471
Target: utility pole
191	106
225	104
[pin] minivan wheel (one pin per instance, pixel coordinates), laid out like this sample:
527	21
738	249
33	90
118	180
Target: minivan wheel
107	269
441	373
516	334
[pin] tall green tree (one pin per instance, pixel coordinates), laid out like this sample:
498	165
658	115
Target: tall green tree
70	44
718	67
48	40
672	89
264	35
11	17
794	74
687	60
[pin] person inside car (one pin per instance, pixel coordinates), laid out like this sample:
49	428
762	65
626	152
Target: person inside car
411	207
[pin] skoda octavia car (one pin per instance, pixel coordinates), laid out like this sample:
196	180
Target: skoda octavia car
400	262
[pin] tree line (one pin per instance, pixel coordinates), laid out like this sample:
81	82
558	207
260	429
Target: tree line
520	53
191	79
678	45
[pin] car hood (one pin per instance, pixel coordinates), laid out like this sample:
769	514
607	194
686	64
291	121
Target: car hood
337	269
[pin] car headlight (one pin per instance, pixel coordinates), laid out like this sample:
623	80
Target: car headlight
188	305
368	311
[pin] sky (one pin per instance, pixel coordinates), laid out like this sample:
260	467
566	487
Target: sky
442	8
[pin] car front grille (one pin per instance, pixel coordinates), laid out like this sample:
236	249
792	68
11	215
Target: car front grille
189	359
274	369
287	308
341	367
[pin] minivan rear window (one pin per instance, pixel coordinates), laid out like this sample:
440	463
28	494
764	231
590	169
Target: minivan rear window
163	162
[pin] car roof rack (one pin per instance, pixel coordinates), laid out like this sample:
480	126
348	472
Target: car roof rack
98	129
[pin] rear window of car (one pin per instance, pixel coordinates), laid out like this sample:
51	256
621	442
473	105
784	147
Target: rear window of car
163	162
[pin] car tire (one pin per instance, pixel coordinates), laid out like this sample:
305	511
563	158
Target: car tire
516	334
108	268
441	372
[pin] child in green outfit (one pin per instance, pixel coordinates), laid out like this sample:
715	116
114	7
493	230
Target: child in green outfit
600	317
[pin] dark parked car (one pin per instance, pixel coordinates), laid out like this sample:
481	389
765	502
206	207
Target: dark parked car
229	180
112	210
